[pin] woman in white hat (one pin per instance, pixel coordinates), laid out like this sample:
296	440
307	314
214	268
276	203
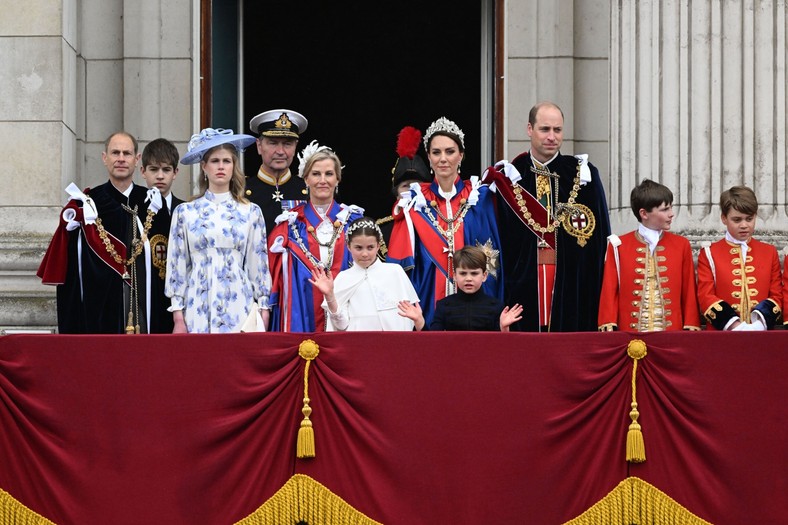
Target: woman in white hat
310	236
217	263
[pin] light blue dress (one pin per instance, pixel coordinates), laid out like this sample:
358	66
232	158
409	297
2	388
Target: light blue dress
217	262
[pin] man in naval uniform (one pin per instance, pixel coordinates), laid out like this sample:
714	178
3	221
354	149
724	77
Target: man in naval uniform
553	224
272	187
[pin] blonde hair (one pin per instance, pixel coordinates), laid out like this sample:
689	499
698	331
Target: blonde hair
323	155
237	181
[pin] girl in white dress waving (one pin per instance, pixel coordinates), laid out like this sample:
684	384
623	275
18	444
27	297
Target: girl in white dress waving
370	295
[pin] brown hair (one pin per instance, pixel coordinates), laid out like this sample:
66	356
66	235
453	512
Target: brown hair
452	136
160	151
125	134
739	198
238	180
364	226
470	258
535	111
649	195
323	155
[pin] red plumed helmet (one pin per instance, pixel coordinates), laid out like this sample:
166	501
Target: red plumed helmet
408	142
410	166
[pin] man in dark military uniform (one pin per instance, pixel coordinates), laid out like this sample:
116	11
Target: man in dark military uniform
272	187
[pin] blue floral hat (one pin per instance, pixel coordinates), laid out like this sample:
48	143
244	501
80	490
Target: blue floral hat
210	138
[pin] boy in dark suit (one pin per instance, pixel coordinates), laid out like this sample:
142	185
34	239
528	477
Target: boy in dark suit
470	309
159	169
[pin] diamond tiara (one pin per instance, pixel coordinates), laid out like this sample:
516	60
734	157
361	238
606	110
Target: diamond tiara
362	223
445	125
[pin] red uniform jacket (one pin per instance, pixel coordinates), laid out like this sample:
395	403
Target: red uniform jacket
730	287
620	304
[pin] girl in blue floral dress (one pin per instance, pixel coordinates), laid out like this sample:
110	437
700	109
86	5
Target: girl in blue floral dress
217	261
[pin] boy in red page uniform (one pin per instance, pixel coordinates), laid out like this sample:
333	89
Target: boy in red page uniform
649	278
739	283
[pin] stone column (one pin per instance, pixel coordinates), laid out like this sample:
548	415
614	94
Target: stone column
136	74
71	73
157	75
37	125
558	51
698	103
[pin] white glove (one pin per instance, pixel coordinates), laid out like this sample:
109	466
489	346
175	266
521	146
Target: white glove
757	326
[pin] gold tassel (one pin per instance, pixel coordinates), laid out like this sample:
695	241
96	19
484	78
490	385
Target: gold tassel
305	445
636	446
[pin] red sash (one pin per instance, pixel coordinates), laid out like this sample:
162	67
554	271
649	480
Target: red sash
52	269
506	188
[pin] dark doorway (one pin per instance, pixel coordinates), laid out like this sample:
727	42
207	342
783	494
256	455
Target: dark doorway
360	71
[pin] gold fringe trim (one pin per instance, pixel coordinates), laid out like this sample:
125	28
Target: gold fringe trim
304	500
636	447
305	445
635	502
12	511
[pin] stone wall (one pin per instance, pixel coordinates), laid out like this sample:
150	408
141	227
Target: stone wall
71	73
698	102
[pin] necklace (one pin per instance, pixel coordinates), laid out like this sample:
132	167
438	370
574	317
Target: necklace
452	225
317	263
556	221
330	243
137	244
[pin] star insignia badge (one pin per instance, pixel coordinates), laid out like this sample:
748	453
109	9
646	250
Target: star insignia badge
492	257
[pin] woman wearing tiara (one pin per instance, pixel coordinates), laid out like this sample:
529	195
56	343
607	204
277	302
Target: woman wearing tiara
440	217
308	237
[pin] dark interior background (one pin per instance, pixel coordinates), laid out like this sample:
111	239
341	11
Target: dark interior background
359	72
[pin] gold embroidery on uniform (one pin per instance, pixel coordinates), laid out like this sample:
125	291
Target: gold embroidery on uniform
158	247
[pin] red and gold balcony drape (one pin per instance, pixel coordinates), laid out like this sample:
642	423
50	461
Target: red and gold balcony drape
408	428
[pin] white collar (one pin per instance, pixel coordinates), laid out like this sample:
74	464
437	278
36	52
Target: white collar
534	162
729	238
743	245
447	194
651	236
